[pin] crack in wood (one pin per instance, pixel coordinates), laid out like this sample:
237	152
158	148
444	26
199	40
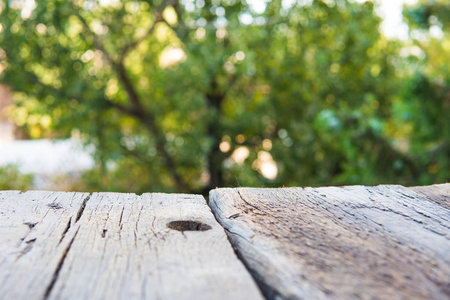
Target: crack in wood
262	212
27	248
234	216
121	216
58	268
65	231
54	205
30	225
82	207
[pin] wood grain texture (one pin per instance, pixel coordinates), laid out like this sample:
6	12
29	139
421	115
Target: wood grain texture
439	193
384	242
124	249
34	236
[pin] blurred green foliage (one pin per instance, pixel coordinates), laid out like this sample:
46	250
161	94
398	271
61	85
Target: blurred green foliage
424	111
12	179
190	95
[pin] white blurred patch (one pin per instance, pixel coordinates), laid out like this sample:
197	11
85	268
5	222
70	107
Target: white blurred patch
413	50
240	155
46	159
436	32
266	165
391	12
171	56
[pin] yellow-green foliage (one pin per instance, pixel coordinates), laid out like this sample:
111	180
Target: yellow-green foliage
12	179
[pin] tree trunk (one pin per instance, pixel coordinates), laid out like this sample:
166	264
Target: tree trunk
214	99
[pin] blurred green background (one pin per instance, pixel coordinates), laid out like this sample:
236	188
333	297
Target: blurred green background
190	95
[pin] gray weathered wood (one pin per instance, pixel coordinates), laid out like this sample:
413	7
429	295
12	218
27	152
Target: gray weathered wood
34	236
384	242
124	249
439	193
116	246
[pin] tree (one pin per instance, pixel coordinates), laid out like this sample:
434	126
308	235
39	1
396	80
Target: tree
191	95
425	108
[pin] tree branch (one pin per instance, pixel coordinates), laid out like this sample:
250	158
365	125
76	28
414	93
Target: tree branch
98	44
158	18
137	110
139	40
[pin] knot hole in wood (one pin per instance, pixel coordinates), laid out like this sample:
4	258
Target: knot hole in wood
188	226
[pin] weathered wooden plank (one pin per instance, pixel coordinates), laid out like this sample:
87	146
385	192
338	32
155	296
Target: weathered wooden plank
127	248
34	236
385	242
439	193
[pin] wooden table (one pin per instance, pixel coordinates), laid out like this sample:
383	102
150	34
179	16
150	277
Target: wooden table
383	242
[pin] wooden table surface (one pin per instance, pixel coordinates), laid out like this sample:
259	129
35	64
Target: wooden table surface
383	242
